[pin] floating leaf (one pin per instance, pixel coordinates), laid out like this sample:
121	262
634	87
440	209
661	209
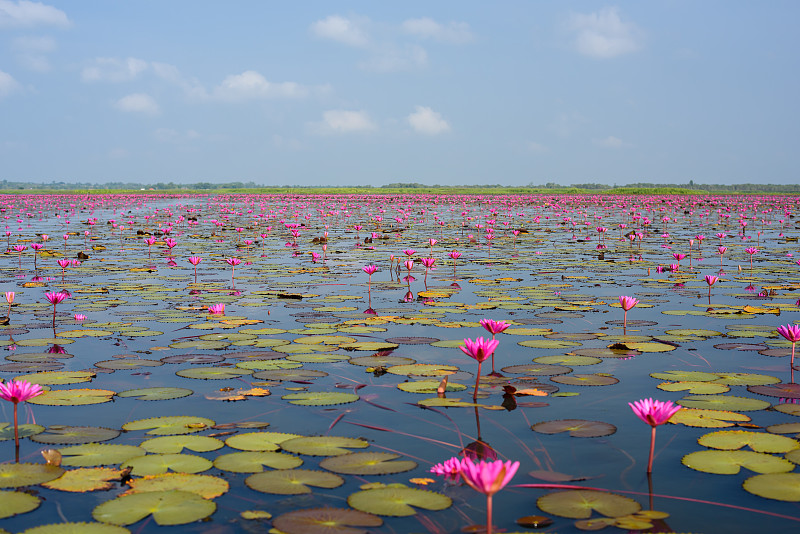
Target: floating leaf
205	486
254	462
213	373
791	409
16	502
173	507
86	479
577	428
729	462
91	454
697	388
326	521
77	528
258	441
320	398
25	431
16	475
157	464
428	386
381	361
57	378
548	343
128	363
537	369
73	397
707	418
290	374
397	501
176	444
784	428
586	380
74	435
170	425
367	463
292	481
758	441
422	369
567	359
155	393
578	504
780	487
745	379
784	391
373	346
730	402
323	445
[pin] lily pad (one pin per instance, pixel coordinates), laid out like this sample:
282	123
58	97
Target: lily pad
57	378
25	431
723	402
397	501
157	464
320	398
586	380
258	441
176	444
75	435
427	387
174	507
577	428
537	369
155	393
701	418
367	463
292	481
92	454
205	486
323	445
326	521
22	474
86	479
729	462
579	504
77	528
16	502
170	425
213	373
780	486
758	441
73	397
696	388
783	391
254	462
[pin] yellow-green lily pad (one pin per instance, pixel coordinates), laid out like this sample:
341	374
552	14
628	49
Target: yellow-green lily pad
579	504
779	486
174	507
729	462
397	501
292	481
758	441
170	425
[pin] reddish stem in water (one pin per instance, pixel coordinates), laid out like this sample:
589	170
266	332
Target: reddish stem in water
488	514
477	381
652	449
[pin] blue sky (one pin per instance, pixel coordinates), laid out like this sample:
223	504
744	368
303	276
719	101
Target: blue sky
357	93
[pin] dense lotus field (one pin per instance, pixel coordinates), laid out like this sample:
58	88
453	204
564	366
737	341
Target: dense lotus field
298	364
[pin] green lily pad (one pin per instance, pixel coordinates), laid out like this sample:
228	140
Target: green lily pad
16	502
16	475
176	444
548	343
86	479
254	462
422	369
290	374
205	486
790	409
73	397
537	369
586	380
397	501
92	454
579	504
200	344
577	428
567	360
372	346
382	361
758	441
427	387
57	378
779	486
155	393
324	340
157	464
173	507
77	528
75	435
128	363
745	379
367	463
729	462
784	428
213	373
323	445
25	431
325	357
320	398
292	481
268	365
723	402
258	441
326	521
696	388
170	425
701	418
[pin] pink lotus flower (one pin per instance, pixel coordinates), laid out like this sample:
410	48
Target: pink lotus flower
711	279
792	333
428	262
233	262
488	477
194	260
654	413
409	264
17	391
627	303
494	327
370	269
449	469
217	309
479	350
80	317
455	255
56	298
409	252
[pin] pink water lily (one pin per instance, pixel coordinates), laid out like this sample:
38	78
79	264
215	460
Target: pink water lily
654	413
479	349
627	303
494	327
792	333
17	391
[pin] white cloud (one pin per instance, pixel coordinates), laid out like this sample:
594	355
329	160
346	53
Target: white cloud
426	121
8	84
396	59
604	34
251	84
611	142
453	32
31	52
109	69
27	14
349	31
138	103
340	121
